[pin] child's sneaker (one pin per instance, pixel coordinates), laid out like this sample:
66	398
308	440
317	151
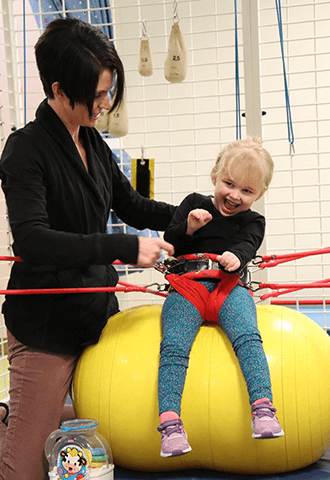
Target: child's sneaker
174	438
264	420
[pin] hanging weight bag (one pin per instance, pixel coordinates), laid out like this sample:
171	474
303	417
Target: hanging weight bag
176	61
145	66
118	121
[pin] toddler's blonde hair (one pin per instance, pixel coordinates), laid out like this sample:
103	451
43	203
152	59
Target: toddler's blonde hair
249	157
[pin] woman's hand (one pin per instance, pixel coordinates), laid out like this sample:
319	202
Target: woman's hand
197	219
229	261
150	250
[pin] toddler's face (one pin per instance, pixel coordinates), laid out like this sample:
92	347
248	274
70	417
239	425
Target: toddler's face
234	194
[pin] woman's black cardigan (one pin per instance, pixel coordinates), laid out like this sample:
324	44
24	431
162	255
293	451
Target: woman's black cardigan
58	213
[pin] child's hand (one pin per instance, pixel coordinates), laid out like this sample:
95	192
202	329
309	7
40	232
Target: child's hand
229	261
197	219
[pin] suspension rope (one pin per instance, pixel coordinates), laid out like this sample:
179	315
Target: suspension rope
51	291
268	261
125	287
18	259
262	262
237	88
290	287
265	261
274	260
287	99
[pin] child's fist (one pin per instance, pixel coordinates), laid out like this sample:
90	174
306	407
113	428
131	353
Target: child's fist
229	261
197	219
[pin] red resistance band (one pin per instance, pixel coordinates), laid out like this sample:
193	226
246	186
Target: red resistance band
208	304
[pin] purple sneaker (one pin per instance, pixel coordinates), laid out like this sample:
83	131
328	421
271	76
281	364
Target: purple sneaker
264	420
174	438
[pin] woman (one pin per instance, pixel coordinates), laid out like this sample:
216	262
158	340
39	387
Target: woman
60	182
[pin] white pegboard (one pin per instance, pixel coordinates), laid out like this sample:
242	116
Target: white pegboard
297	203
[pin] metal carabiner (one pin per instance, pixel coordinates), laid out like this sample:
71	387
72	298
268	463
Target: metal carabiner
256	260
160	287
250	287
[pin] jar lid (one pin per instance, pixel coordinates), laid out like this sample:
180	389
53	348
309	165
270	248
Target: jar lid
78	424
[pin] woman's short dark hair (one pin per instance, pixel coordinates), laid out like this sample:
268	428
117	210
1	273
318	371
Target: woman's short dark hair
74	54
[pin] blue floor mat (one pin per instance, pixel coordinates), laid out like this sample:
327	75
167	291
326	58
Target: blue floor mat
317	471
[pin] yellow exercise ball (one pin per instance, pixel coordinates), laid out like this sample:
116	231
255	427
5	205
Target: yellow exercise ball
116	383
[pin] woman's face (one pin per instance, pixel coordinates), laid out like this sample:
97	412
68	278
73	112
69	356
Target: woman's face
102	100
79	114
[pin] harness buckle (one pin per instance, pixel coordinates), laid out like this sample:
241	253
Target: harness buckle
160	267
168	265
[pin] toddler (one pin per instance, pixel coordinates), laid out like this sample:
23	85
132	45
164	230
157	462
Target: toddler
218	235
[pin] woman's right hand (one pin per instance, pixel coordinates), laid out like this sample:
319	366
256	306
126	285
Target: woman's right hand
150	250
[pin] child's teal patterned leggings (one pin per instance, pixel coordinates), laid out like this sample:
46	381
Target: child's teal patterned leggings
180	324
